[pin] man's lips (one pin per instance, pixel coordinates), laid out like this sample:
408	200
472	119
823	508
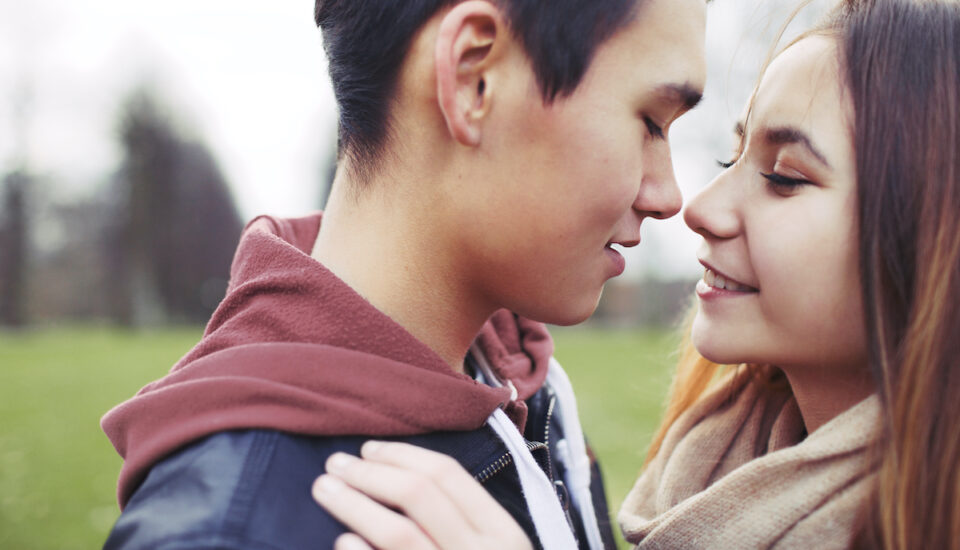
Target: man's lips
619	263
626	243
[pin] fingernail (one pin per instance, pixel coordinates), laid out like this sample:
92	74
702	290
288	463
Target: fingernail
338	462
350	541
371	448
327	485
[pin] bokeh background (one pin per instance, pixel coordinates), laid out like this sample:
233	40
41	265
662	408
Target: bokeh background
136	138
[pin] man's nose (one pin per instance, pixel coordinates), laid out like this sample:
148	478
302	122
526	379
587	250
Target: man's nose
659	196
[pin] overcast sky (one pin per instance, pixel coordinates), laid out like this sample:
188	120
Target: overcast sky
249	78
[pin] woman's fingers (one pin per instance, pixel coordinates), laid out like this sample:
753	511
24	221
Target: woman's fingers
446	473
413	493
382	527
434	490
351	541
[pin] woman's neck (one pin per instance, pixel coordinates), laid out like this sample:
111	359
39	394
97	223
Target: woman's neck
824	393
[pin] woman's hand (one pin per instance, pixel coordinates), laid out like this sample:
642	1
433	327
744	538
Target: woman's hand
443	507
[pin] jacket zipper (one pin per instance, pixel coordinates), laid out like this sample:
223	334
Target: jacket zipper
505	460
546	436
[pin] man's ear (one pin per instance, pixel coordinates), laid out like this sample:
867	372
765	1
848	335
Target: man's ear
470	39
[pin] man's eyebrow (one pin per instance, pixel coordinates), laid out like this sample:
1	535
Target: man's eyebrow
738	129
685	94
783	135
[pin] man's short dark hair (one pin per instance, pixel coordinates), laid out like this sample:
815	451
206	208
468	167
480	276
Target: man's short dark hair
366	42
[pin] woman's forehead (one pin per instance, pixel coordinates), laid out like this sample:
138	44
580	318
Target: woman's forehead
801	87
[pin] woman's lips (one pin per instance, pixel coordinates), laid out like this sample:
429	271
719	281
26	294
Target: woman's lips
715	285
718	281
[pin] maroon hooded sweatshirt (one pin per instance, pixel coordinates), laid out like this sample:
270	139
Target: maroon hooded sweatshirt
293	348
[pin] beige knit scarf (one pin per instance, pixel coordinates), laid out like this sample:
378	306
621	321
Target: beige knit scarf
736	471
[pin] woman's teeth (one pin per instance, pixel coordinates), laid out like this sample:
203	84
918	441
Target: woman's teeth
718	281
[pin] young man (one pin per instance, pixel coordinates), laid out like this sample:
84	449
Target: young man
492	152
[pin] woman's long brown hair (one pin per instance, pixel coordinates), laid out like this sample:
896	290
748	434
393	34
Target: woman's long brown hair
902	67
902	60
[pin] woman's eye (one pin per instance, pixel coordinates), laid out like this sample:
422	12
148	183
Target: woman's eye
783	183
655	131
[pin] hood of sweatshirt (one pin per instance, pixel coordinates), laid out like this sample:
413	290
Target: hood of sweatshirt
293	348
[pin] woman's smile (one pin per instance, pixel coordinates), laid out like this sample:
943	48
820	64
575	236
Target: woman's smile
714	280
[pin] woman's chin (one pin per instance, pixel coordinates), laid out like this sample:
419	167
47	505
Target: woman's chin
714	347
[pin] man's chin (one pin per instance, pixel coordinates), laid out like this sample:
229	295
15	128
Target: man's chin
574	312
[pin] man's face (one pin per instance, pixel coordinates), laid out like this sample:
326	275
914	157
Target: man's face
565	181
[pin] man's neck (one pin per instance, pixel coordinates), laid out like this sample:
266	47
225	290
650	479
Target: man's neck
385	248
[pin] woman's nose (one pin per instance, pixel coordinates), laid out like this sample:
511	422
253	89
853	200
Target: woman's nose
713	212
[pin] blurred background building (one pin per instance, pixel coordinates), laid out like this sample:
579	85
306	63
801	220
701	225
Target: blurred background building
137	137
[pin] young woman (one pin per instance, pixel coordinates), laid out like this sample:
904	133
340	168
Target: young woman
832	276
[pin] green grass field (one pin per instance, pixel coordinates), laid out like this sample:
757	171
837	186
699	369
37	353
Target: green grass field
58	471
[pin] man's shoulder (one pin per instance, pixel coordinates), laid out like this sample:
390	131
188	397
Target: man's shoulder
251	489
211	493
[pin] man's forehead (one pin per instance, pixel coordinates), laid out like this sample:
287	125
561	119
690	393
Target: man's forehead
669	15
668	36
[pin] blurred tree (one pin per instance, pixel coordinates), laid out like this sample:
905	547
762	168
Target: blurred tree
14	250
176	226
15	216
69	277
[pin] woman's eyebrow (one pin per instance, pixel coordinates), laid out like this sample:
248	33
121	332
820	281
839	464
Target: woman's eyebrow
782	135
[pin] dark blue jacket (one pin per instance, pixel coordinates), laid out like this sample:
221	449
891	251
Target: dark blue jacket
251	489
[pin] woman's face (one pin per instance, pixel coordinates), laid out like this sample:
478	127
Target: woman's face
781	282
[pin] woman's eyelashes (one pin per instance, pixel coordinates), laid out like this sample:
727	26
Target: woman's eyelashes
778	182
781	183
726	164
